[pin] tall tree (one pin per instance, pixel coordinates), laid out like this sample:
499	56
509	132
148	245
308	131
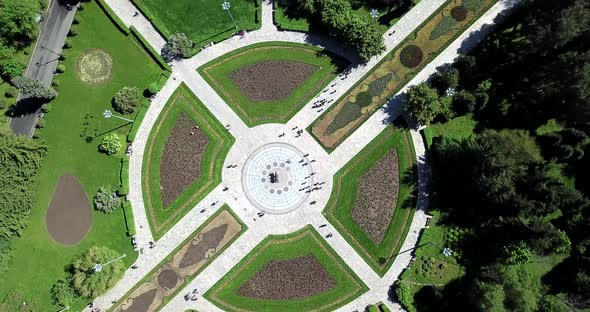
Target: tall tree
17	18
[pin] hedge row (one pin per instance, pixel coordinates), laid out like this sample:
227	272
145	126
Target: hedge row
118	22
124	176
137	122
129	221
153	53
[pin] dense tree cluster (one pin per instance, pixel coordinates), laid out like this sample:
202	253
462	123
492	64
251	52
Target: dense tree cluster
20	158
360	34
17	18
178	45
88	282
34	89
506	186
10	67
126	99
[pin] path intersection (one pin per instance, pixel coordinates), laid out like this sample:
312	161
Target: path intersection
254	148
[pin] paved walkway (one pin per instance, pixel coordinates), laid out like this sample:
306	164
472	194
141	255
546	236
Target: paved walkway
248	139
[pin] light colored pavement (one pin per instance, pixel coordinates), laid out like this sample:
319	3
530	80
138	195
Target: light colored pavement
248	139
54	28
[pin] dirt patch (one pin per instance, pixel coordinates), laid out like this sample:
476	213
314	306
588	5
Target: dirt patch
288	279
94	66
200	247
167	279
459	13
69	216
411	56
180	165
142	302
271	80
376	197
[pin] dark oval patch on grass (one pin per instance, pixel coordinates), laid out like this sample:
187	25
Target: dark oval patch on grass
411	56
288	279
68	217
142	302
271	80
167	279
459	13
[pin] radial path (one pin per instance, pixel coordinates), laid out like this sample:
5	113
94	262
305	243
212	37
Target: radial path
254	187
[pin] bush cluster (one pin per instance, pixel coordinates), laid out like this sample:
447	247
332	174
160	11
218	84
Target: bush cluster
110	144
34	88
106	201
126	100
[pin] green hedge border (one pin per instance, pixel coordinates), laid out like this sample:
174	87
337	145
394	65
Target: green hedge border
129	220
148	47
113	17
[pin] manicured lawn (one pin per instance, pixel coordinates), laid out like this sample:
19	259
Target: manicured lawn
394	71
457	128
301	243
339	208
220	141
217	73
203	21
38	261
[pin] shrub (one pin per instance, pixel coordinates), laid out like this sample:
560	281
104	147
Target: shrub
179	45
403	294
81	7
40	123
110	144
46	108
10	66
106	201
464	102
34	88
423	103
63	294
153	88
76	20
73	31
459	13
444	26
62	57
2	103
55	82
126	99
10	92
61	68
68	44
411	56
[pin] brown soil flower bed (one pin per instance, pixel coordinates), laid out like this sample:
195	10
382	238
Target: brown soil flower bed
167	279
288	279
142	302
459	13
376	197
411	56
180	165
68	217
271	80
199	250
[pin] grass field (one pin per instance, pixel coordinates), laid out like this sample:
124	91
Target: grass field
183	100
39	261
392	73
203	21
457	128
304	242
217	73
339	209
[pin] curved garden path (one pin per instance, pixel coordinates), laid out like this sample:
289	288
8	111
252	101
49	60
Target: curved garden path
247	139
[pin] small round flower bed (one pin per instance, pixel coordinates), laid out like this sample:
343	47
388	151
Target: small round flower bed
459	13
411	56
95	66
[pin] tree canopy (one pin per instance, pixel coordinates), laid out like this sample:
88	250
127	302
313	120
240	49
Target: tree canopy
17	18
89	283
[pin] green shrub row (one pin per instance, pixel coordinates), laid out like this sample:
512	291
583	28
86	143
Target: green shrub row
113	17
124	189
129	221
137	122
153	53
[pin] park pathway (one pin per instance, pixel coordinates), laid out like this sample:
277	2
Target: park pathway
250	138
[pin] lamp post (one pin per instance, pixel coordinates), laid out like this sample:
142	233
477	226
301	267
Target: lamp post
98	267
374	13
225	5
108	114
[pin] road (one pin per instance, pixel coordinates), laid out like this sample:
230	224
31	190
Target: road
54	30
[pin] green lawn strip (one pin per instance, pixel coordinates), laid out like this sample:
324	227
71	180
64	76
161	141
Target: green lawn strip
39	261
183	100
339	208
148	47
301	243
217	74
169	257
391	63
113	16
203	21
457	128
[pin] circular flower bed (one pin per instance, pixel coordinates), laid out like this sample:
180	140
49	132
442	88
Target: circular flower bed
459	13
94	66
411	56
